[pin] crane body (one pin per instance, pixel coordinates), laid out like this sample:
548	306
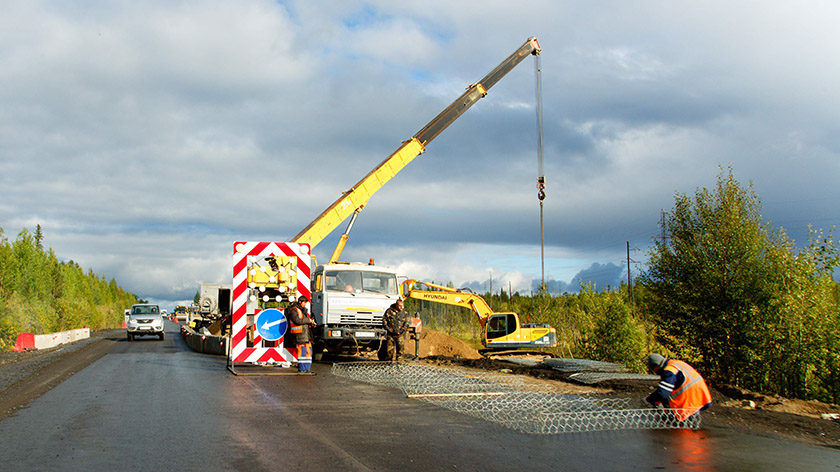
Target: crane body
354	200
348	300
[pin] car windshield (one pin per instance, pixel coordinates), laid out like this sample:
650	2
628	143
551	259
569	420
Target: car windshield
360	281
144	310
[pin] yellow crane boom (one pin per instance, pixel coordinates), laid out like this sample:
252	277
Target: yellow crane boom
354	200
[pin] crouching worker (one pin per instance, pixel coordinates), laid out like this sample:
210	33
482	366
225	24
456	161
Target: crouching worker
299	323
681	389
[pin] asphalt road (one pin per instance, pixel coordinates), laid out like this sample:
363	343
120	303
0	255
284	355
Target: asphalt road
157	405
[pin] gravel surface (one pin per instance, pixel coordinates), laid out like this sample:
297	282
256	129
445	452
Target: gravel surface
16	366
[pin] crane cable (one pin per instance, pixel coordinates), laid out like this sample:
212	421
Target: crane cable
540	167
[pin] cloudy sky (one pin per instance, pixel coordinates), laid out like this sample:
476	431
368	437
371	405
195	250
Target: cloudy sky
146	137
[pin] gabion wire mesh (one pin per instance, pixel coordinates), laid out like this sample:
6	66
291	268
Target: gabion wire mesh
590	378
415	380
582	365
504	399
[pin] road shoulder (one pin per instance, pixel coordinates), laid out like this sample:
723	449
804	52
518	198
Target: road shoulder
26	376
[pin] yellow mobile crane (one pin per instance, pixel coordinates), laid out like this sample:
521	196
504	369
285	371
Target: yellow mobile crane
349	299
354	200
499	331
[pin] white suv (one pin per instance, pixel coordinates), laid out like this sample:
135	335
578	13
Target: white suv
142	320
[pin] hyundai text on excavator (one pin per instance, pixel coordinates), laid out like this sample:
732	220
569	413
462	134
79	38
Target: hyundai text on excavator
349	299
500	332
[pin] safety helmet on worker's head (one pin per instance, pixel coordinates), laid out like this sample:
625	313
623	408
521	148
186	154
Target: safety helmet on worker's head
656	362
302	299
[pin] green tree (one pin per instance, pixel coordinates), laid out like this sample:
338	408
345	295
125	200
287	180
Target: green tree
730	294
40	294
615	335
801	340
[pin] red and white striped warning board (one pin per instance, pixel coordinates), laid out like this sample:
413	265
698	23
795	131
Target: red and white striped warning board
245	253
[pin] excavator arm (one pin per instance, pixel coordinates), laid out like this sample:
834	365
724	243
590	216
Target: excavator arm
354	200
449	296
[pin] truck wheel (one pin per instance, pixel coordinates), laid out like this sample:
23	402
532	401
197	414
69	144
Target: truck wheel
161	335
382	353
317	352
129	336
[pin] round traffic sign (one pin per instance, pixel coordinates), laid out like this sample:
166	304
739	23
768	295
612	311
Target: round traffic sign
271	324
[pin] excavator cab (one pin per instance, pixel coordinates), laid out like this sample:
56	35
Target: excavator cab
501	324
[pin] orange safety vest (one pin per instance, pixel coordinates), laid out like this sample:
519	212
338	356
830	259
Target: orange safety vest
692	395
293	327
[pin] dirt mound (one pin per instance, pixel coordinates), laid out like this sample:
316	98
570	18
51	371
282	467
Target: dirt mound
434	343
738	397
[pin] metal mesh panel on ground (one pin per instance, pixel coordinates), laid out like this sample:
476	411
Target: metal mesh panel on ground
415	380
504	399
590	378
582	365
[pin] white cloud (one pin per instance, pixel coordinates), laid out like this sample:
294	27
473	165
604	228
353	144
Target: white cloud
146	137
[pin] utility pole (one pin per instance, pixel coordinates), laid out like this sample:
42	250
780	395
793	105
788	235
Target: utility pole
663	235
629	280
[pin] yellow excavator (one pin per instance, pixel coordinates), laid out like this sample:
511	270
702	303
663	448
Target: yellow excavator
500	332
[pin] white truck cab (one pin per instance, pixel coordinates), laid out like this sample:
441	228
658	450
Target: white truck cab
348	302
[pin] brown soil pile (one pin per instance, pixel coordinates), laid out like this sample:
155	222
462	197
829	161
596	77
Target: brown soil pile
434	343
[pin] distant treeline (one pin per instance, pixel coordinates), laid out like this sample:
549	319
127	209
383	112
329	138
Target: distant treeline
40	294
724	291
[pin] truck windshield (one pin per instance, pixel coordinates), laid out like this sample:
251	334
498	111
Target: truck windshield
359	281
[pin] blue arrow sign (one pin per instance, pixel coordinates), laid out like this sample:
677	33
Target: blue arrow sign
271	324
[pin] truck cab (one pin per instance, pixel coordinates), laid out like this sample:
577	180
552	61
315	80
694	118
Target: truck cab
348	302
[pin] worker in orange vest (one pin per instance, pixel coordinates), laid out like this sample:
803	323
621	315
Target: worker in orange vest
300	323
681	389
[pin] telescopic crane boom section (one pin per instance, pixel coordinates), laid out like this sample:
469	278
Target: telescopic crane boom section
355	199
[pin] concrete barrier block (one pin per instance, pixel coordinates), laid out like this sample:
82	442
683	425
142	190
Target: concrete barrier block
77	334
46	341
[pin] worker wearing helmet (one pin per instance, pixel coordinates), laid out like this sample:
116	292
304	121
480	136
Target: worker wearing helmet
299	326
395	320
681	389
